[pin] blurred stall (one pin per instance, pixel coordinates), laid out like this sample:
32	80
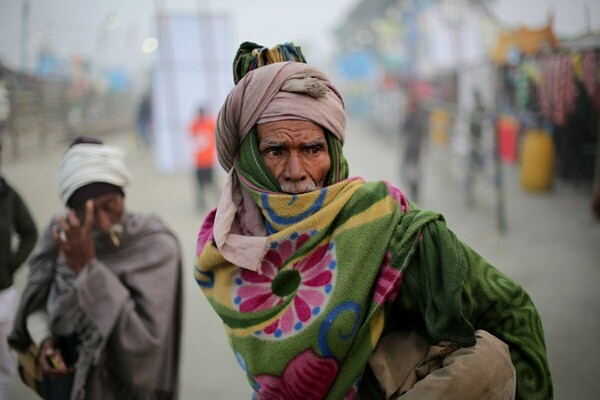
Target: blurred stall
538	94
549	87
581	127
439	52
516	53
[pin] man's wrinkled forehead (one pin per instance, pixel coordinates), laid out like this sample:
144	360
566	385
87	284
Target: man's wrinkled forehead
290	127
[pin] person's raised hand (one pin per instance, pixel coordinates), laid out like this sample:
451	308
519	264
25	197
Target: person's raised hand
74	237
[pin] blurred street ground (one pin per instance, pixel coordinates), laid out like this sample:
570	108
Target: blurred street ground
550	247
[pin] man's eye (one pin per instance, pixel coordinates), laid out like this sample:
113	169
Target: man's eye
314	149
273	152
109	206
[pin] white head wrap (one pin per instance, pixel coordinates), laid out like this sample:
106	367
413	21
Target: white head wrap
86	163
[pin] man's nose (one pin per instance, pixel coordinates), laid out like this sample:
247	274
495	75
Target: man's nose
102	222
294	169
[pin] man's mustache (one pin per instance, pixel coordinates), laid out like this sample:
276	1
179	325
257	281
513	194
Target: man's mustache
298	187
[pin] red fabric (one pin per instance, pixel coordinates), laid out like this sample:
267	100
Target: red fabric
508	129
203	132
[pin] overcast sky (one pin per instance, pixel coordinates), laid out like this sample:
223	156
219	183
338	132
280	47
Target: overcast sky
76	26
69	26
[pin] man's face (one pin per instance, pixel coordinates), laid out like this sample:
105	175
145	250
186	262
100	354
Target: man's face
108	212
296	153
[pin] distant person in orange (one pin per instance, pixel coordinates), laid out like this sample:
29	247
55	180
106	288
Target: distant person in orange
202	130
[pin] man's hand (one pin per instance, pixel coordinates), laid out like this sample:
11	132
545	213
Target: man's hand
51	361
75	239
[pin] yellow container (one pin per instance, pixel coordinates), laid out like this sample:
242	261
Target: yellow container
537	160
439	125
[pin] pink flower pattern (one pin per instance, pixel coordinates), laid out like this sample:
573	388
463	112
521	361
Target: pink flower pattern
253	292
307	376
398	196
351	395
206	232
388	281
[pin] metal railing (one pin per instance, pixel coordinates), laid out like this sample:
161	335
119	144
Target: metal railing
52	113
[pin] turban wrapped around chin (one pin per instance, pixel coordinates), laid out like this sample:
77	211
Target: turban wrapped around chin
85	164
275	92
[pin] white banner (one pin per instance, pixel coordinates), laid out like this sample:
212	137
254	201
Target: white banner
192	71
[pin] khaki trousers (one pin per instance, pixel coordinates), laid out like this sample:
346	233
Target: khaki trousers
408	368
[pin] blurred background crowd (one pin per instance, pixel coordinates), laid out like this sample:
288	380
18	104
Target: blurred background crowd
497	81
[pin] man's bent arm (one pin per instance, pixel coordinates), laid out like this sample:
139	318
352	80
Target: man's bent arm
493	302
502	307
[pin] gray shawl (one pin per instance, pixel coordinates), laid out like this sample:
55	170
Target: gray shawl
125	307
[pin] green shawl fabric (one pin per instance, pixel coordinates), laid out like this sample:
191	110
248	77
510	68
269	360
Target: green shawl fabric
490	301
307	326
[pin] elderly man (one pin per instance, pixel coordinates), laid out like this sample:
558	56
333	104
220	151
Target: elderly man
338	288
103	300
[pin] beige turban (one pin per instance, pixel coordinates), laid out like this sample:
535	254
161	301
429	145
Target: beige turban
275	92
85	163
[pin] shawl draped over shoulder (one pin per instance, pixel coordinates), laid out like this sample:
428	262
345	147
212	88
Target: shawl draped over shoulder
125	308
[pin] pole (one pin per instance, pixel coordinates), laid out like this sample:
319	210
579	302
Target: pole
25	8
207	33
168	65
498	171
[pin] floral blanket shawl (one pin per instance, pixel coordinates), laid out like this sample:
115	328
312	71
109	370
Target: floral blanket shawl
305	327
